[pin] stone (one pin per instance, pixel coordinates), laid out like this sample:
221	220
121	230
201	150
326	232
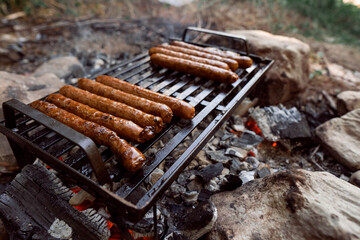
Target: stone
355	178
239	153
218	156
295	204
262	171
25	89
195	185
290	73
278	122
237	166
63	67
348	101
155	176
246	176
253	161
190	197
209	172
341	137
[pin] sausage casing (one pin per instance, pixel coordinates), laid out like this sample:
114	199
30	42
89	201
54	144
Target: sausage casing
243	61
130	157
179	107
124	128
231	62
189	57
145	105
197	69
115	108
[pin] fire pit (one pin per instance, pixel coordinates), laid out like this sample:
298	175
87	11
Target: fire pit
32	134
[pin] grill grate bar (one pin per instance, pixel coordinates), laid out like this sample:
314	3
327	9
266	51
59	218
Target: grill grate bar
132	67
140	69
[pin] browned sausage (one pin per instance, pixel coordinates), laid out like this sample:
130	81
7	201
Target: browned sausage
130	157
189	57
197	69
231	62
145	105
243	61
179	107
124	128
115	108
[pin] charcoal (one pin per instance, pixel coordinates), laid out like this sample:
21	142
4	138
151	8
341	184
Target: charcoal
232	182
277	122
247	140
211	171
219	156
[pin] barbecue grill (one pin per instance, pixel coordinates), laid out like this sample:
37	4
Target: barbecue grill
32	134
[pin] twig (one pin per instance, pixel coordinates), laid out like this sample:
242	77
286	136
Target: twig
313	161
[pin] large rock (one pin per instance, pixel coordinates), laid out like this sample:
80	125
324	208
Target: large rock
348	101
295	204
62	67
341	137
290	73
25	89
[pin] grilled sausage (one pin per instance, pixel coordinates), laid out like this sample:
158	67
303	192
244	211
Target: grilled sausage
130	157
124	128
189	57
231	62
115	108
179	107
243	61
197	69
145	105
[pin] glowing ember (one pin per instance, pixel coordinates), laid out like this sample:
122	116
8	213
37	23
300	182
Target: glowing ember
274	144
252	125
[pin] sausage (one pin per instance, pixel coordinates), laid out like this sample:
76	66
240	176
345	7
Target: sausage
232	63
189	57
243	61
179	107
115	108
124	128
145	105
197	69
130	157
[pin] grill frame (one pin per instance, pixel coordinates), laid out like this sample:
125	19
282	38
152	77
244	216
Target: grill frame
26	151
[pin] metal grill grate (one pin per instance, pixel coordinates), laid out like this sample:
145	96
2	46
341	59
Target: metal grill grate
32	134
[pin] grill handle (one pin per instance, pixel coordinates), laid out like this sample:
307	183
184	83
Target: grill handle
216	33
85	143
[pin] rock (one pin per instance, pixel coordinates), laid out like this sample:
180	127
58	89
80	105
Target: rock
262	171
348	101
155	176
294	204
218	156
290	73
246	176
190	197
195	185
25	89
355	178
237	166
63	67
239	153
254	163
211	171
341	137
277	122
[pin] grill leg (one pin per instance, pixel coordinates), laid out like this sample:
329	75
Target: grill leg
22	156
